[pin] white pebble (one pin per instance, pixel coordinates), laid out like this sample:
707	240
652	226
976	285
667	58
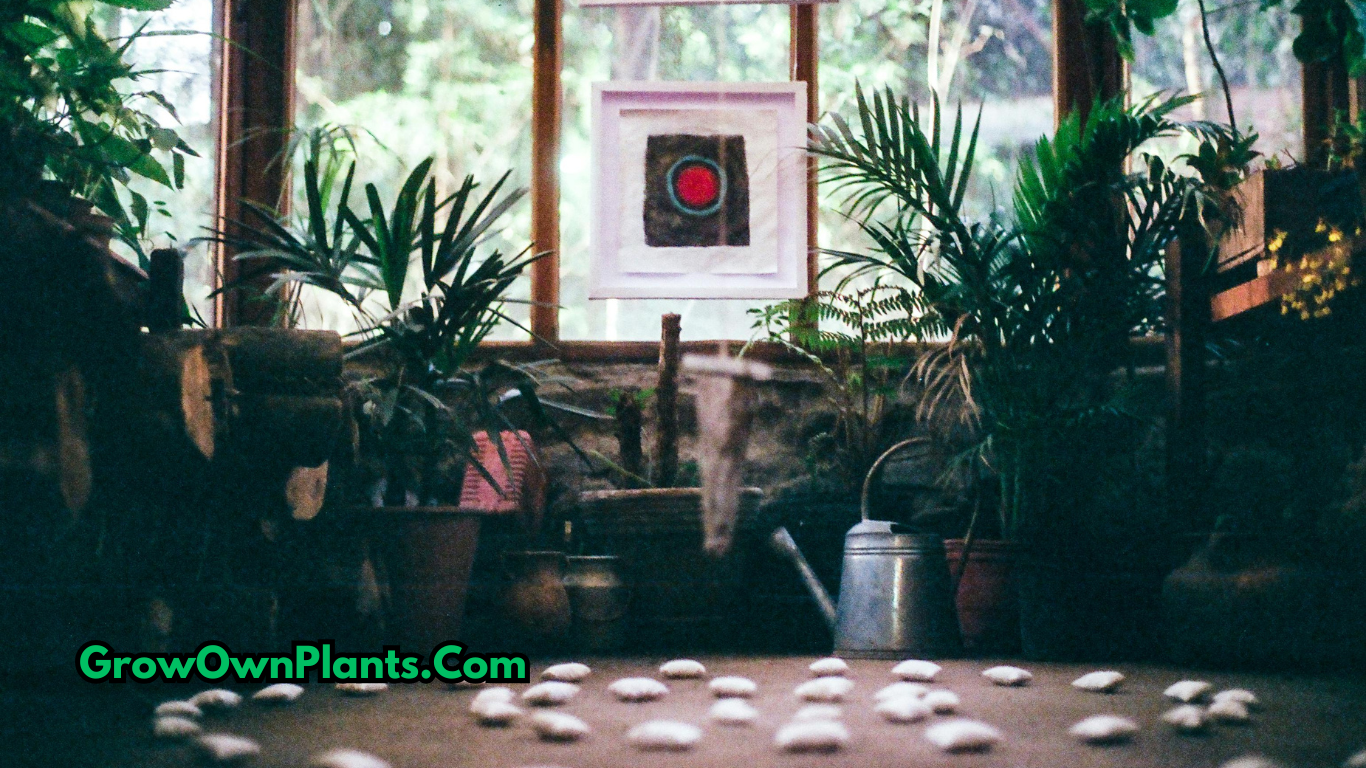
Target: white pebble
731	687
280	693
558	726
902	690
497	695
571	672
549	694
497	713
943	702
917	670
638	689
1104	729
1187	691
1229	712
362	689
1008	675
1238	694
906	709
733	712
831	667
226	748
177	709
1101	682
817	712
825	689
664	735
1356	761
216	698
1252	761
174	727
682	668
346	758
813	736
1187	718
962	736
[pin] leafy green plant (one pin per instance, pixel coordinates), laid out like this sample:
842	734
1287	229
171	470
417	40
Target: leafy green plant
423	296
71	112
850	338
1330	29
1038	314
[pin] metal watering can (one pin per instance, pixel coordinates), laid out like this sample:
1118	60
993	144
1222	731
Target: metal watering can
896	597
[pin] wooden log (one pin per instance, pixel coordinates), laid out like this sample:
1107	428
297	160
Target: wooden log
176	394
72	441
275	361
287	431
165	290
666	403
305	491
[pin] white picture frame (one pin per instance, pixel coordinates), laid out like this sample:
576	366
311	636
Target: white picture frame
771	262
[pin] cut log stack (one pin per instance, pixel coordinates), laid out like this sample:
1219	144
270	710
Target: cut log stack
114	419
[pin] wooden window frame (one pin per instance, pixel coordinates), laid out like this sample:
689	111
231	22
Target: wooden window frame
254	81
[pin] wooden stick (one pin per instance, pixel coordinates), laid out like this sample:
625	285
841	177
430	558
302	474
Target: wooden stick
666	403
628	436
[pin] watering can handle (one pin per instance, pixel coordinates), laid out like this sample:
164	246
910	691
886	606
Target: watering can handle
877	465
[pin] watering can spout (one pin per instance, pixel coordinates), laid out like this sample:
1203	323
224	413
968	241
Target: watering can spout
783	544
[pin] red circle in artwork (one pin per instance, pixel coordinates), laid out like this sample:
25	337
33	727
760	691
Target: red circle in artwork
697	185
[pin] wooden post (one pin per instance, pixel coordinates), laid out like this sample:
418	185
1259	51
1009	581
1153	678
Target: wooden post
165	285
805	58
666	403
1326	91
546	103
256	88
1187	318
1086	61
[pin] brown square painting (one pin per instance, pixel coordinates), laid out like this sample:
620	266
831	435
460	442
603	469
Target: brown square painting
696	191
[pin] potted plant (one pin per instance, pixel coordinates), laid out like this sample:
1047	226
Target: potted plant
1039	312
73	125
423	295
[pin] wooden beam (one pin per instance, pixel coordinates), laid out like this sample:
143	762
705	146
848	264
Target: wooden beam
546	102
1187	318
1086	61
255	91
804	53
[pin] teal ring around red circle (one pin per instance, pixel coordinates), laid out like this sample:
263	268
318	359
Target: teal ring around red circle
697	185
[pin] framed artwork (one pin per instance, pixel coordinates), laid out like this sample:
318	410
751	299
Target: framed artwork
699	190
594	3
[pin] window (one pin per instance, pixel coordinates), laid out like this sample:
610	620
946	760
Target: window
1254	47
989	55
447	79
175	55
732	43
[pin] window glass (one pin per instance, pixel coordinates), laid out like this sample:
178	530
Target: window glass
1254	47
989	56
175	55
732	43
412	79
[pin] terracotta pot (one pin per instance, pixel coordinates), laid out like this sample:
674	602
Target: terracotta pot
427	553
988	599
535	598
598	600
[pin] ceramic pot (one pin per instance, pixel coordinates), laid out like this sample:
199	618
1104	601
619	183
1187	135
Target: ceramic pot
535	600
988	599
598	601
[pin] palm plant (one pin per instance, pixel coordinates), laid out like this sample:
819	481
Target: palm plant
1038	314
425	323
